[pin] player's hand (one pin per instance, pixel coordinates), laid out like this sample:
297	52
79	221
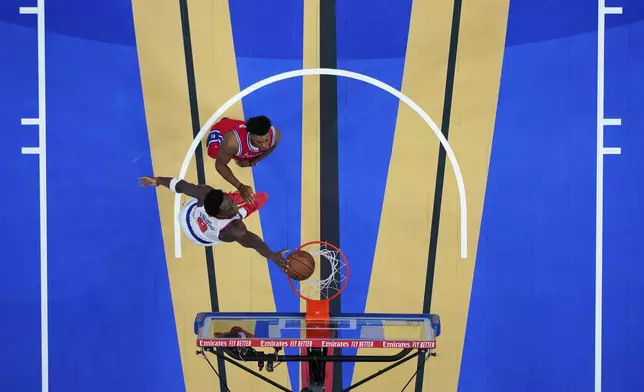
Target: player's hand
242	163
148	181
246	192
278	258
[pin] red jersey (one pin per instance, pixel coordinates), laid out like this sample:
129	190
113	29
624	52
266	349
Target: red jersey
246	151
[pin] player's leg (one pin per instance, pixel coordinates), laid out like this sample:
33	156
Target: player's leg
216	134
227	123
215	138
259	199
237	333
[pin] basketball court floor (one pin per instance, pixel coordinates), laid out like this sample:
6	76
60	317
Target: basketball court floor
511	84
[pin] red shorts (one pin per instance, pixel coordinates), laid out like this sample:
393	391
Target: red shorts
217	132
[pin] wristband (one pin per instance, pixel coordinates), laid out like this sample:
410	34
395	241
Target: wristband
173	184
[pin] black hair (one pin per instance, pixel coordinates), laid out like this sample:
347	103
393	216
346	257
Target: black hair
212	202
259	125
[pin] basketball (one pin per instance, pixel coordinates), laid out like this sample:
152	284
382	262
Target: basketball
301	265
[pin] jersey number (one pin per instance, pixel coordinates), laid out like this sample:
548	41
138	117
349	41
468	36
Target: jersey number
202	225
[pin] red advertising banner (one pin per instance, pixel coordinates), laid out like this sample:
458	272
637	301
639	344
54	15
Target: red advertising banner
317	343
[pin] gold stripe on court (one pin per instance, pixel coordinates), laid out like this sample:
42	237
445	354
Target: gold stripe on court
163	70
163	78
398	278
243	281
478	72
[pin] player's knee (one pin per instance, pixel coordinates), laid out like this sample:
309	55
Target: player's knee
213	149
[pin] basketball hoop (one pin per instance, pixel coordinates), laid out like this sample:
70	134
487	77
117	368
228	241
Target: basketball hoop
319	335
327	282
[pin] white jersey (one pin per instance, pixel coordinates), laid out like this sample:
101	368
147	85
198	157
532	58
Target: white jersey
201	228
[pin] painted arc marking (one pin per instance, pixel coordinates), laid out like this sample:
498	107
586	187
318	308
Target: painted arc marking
333	72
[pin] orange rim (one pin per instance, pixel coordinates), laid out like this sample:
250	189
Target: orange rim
346	275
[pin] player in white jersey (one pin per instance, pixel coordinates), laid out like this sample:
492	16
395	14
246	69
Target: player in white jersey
211	216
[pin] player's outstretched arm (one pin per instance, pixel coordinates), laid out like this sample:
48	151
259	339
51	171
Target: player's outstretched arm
185	187
237	232
228	149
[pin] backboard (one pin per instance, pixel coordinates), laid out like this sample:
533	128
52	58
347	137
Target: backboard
287	330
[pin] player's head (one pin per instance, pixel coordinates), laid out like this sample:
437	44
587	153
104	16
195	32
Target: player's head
258	128
219	205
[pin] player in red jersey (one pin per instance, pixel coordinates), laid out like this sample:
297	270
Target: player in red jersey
246	143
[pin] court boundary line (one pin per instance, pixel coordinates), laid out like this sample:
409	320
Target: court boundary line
41	151
599	192
333	72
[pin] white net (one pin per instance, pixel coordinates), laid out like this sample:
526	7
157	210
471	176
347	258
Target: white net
331	272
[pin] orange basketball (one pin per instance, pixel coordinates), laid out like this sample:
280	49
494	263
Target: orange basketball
301	265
